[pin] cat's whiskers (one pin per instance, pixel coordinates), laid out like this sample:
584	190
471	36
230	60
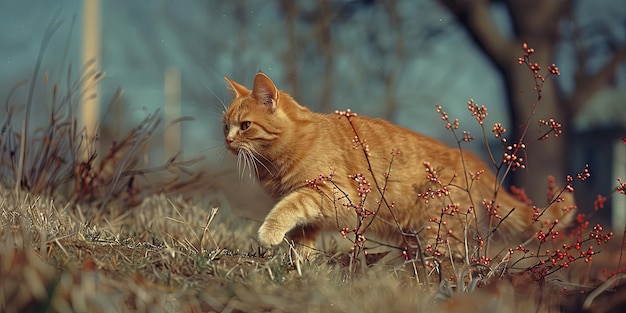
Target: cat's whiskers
248	158
254	164
239	157
242	162
262	164
254	155
216	152
245	159
218	146
250	164
220	100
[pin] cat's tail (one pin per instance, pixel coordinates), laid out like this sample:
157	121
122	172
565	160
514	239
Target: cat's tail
558	214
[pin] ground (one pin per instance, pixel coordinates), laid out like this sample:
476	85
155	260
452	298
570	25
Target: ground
167	255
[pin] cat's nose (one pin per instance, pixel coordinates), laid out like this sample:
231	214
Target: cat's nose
229	141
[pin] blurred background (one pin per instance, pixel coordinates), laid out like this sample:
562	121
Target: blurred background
392	59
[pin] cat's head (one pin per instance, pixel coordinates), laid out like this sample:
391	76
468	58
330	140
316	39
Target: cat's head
257	123
249	121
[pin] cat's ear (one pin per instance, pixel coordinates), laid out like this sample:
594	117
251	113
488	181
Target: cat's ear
239	90
264	90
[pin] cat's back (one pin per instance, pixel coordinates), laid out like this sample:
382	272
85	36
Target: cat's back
411	149
381	135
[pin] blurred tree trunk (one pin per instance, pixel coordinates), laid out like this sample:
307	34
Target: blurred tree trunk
291	55
535	22
391	75
324	37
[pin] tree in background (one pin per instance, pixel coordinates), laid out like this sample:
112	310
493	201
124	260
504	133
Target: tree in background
542	24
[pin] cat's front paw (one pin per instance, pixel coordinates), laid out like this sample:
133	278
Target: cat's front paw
269	235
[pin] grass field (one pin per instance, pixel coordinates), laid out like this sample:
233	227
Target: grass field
166	255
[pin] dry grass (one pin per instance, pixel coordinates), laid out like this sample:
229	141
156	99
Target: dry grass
158	257
165	256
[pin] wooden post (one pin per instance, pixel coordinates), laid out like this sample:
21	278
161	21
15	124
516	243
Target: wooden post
171	112
90	55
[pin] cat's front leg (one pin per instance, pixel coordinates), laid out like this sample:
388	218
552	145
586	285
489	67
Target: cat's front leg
300	207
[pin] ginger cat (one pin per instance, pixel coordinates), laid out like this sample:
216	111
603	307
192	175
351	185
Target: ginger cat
288	145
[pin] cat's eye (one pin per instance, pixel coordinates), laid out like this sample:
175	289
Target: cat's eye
245	125
226	128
